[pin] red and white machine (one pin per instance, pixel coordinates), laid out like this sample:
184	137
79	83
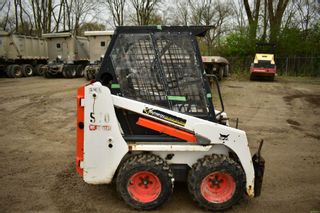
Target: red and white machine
145	124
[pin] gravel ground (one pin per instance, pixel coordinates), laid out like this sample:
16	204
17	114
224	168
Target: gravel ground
37	147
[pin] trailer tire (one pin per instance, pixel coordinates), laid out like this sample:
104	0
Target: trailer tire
79	70
216	182
38	70
91	76
72	72
85	73
27	70
47	74
144	181
220	72
8	71
65	72
15	71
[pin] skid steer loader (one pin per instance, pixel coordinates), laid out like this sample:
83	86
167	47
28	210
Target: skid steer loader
148	121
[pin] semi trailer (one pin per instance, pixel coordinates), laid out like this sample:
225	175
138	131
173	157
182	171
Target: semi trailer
148	121
98	44
216	65
21	55
68	55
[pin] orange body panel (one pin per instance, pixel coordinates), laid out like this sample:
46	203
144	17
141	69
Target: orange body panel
80	130
167	130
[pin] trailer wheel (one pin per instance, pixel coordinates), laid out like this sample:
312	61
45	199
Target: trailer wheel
72	71
16	71
38	70
47	74
8	71
145	181
65	72
79	71
221	71
85	73
27	70
216	182
91	74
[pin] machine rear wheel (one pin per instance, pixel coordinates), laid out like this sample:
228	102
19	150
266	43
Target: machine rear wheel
216	182
145	181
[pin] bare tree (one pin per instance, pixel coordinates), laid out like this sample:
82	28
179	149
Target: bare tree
57	18
275	14
42	13
144	9
16	14
210	13
6	19
238	12
80	10
308	13
116	8
253	17
182	12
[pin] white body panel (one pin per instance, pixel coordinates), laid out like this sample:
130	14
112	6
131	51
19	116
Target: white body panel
100	162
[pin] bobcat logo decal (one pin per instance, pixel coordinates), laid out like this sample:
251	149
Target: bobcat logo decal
224	137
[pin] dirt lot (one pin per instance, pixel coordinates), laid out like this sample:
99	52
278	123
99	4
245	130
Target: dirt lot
37	147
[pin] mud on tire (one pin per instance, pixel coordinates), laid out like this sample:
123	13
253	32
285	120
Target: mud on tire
216	182
144	181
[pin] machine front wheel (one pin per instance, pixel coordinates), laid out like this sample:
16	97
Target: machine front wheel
144	181
216	182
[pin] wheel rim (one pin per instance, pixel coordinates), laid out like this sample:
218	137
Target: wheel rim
17	72
218	187
144	186
28	71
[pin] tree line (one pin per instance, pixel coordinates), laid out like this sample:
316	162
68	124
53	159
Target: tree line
292	25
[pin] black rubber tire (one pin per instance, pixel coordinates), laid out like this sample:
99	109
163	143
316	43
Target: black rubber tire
38	70
27	70
252	77
220	72
47	74
226	70
85	74
16	71
72	72
150	163
65	71
79	71
91	74
8	71
208	165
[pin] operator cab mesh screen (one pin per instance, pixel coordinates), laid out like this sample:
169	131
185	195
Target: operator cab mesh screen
161	69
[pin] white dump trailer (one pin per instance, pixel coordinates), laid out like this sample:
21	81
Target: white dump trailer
21	55
98	44
68	55
216	65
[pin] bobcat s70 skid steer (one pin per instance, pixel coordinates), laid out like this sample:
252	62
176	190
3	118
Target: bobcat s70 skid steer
148	120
